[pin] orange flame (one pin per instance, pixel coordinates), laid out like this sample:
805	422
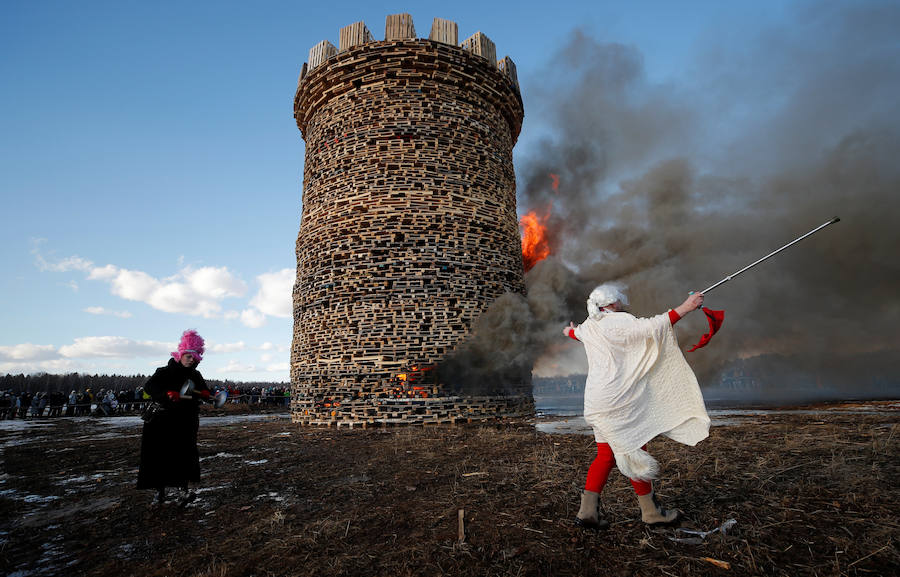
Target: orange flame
535	246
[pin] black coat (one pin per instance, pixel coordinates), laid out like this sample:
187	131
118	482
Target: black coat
169	456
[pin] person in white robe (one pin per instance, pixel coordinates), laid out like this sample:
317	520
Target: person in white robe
639	385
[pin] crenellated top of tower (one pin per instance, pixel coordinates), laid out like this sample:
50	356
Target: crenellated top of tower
400	27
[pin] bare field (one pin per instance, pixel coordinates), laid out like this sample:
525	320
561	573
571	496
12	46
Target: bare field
812	493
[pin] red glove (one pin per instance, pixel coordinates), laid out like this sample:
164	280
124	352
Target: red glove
204	393
173	396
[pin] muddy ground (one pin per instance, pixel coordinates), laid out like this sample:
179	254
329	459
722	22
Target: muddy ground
811	493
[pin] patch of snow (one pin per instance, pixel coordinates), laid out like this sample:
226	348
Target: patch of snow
39	498
270	495
201	490
220	456
81	479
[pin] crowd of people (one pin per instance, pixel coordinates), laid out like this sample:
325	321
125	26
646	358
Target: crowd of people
107	402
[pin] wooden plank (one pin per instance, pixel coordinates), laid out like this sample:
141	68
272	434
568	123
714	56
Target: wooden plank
303	72
354	35
399	27
320	53
444	31
481	45
508	67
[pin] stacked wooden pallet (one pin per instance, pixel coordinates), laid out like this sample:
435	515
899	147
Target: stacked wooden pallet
409	228
444	31
481	45
447	410
353	35
320	53
400	27
508	67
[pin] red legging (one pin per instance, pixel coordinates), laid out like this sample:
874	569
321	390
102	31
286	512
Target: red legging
602	465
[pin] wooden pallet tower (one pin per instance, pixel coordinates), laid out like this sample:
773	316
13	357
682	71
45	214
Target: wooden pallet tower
409	227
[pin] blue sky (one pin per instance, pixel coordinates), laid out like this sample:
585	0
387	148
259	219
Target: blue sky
152	171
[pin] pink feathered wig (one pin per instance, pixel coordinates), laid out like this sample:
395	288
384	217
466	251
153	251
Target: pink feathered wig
192	343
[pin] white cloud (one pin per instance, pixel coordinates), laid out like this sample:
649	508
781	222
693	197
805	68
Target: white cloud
108	354
274	298
88	355
103	311
236	367
28	352
284	368
133	285
64	265
275	293
197	292
228	347
271	352
92	347
55	366
191	291
76	357
107	272
216	283
253	318
175	297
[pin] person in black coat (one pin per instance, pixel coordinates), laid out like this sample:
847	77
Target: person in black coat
169	456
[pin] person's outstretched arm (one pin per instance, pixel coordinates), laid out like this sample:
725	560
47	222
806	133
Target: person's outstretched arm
692	303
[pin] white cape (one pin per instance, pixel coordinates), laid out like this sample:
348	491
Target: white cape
639	386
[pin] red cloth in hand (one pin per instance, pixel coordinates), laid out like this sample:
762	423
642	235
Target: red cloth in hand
173	396
204	393
715	319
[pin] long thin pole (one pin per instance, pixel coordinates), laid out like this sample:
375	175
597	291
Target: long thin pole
771	254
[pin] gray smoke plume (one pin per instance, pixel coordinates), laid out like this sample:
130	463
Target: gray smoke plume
500	352
669	188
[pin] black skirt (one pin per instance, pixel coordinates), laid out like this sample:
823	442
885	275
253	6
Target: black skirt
169	455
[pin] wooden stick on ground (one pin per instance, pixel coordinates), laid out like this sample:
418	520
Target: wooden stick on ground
869	555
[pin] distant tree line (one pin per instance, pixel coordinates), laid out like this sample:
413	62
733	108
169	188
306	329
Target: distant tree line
46	382
572	384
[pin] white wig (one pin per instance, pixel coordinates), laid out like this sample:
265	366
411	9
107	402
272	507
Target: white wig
603	295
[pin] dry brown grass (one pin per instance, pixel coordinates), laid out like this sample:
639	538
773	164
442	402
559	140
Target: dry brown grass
812	495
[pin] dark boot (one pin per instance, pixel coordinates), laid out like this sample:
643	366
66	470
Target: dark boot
653	514
588	516
160	496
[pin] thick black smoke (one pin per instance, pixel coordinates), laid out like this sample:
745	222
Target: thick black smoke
669	188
